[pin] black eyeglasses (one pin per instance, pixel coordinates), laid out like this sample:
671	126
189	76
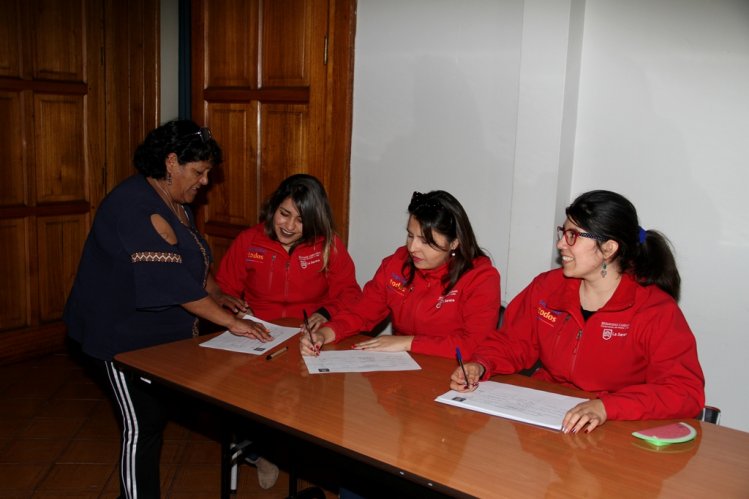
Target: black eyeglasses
204	133
571	235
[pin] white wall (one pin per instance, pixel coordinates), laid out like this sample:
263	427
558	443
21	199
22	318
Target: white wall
169	60
435	107
517	106
663	118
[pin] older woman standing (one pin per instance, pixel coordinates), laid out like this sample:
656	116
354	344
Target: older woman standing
144	279
607	322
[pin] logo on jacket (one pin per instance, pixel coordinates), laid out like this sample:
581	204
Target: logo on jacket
255	254
546	314
307	260
448	298
397	283
614	329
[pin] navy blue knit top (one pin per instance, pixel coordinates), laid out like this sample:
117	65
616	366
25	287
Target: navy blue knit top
130	281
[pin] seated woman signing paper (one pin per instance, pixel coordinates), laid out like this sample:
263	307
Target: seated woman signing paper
607	322
292	261
440	290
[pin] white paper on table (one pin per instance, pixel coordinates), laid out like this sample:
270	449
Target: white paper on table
359	361
234	343
514	402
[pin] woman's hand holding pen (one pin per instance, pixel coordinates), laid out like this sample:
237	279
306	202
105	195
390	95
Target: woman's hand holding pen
314	322
458	381
310	342
248	328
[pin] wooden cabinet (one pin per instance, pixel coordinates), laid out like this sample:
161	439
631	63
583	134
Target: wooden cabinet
273	81
61	134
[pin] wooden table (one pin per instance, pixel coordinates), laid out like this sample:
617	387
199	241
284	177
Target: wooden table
390	421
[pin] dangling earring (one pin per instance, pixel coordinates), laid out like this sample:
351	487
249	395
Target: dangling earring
168	178
603	269
452	253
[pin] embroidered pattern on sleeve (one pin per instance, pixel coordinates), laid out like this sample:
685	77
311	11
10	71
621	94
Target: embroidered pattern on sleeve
155	256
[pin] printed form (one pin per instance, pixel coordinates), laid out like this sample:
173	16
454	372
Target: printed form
514	402
234	343
359	361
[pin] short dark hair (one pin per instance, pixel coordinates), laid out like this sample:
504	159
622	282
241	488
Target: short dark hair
647	254
309	196
439	211
182	137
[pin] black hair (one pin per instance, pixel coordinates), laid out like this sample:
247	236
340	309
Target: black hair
308	195
439	211
647	254
182	137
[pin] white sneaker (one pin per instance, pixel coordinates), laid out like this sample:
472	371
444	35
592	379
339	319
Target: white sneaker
267	472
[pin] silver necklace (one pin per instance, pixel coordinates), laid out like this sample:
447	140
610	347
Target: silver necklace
170	201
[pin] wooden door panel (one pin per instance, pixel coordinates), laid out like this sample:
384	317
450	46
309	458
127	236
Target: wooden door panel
270	61
234	199
287	27
58	39
219	246
284	142
49	101
132	81
14	277
13	186
62	167
222	66
57	268
10	43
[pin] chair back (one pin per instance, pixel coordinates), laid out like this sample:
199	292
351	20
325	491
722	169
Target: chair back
709	414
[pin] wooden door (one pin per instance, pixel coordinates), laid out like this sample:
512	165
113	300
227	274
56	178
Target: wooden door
273	81
55	108
50	93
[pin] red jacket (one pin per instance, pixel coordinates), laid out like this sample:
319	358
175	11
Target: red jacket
278	284
636	353
463	318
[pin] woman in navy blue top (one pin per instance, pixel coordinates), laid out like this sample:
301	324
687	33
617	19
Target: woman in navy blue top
144	279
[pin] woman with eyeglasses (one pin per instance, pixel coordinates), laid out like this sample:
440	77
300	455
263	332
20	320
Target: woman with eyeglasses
144	278
607	322
440	290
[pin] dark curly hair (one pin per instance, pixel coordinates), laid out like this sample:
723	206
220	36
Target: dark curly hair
182	137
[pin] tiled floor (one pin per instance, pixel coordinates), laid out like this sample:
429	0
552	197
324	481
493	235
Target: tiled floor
59	438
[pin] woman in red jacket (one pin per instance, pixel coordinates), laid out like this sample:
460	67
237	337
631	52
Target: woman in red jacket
292	261
440	290
607	322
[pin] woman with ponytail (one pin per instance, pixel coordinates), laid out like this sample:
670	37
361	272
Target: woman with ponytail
607	322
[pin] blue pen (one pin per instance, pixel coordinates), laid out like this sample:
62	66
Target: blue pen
460	361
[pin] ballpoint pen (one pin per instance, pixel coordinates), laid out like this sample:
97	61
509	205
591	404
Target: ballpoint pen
306	326
460	361
275	354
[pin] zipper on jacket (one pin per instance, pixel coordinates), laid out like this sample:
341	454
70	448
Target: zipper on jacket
574	351
286	287
270	274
